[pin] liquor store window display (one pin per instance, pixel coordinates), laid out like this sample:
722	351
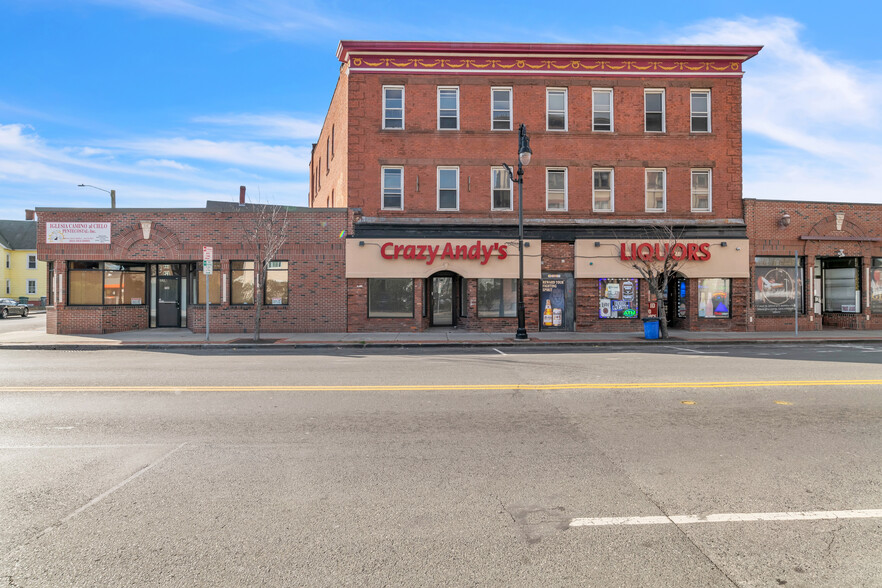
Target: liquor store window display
557	302
876	286
714	298
619	298
777	286
390	298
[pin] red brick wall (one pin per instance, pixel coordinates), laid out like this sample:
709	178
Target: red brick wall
314	251
329	182
860	236
475	148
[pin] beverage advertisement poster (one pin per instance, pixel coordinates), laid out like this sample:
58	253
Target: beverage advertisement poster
553	302
619	298
876	286
775	290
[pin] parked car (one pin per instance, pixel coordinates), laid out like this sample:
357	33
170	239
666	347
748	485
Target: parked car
8	307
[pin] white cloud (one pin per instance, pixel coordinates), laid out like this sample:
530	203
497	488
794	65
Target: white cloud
169	163
811	122
242	153
279	126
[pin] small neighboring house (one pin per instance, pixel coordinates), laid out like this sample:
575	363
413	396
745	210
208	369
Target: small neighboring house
21	275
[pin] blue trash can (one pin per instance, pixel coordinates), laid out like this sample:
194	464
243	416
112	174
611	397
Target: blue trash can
650	328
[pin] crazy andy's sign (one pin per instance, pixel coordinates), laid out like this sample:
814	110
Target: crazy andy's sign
78	233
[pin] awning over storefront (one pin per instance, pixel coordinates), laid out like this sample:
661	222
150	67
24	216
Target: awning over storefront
615	258
419	258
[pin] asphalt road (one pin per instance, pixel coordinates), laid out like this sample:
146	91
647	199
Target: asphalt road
732	466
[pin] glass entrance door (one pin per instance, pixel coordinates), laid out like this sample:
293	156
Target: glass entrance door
442	301
168	301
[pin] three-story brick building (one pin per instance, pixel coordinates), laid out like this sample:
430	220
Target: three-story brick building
633	148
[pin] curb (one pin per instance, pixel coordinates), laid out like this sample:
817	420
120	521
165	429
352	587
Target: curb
639	342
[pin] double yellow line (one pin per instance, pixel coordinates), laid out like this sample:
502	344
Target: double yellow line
448	387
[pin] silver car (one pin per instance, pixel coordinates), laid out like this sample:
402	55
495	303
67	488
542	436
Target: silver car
9	307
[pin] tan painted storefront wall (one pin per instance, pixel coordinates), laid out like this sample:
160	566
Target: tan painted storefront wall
420	258
706	259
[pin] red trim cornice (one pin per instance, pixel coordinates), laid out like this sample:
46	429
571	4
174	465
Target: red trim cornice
740	53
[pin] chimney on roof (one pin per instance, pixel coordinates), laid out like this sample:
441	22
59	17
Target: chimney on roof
241	195
29	214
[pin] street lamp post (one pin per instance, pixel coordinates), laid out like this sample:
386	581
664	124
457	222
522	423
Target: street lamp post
524	155
111	192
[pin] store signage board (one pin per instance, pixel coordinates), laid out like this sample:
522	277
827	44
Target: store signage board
78	233
207	260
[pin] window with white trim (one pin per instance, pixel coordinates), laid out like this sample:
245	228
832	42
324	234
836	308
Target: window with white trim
655	190
7	261
500	107
501	187
654	110
602	109
8	286
448	108
701	190
556	188
699	105
393	188
556	109
448	188
603	190
32	262
393	107
32	286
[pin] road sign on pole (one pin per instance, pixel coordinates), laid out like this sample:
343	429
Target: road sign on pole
207	266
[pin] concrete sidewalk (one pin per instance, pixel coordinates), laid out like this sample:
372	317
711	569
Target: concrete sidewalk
31	334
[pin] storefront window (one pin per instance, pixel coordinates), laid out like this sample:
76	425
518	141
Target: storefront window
390	297
241	282
842	285
777	286
876	285
214	285
276	283
619	298
497	297
124	283
713	298
106	283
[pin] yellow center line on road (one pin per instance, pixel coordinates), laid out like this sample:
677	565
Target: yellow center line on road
447	387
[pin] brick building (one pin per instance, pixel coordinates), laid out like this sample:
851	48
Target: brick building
629	143
119	269
830	251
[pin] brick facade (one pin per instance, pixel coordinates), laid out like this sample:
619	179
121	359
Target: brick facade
314	252
812	232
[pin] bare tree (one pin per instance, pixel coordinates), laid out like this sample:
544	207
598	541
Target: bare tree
658	263
265	231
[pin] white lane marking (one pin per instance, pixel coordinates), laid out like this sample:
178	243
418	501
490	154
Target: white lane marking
696	351
499	352
107	493
728	518
104	446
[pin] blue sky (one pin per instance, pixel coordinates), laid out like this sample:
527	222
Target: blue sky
174	102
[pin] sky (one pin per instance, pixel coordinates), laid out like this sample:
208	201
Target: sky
175	102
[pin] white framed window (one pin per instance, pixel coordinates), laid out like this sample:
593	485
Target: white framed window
393	107
393	188
501	189
654	110
7	261
448	108
32	286
448	188
699	105
8	286
701	190
603	194
555	188
602	109
655	190
500	109
555	109
32	262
